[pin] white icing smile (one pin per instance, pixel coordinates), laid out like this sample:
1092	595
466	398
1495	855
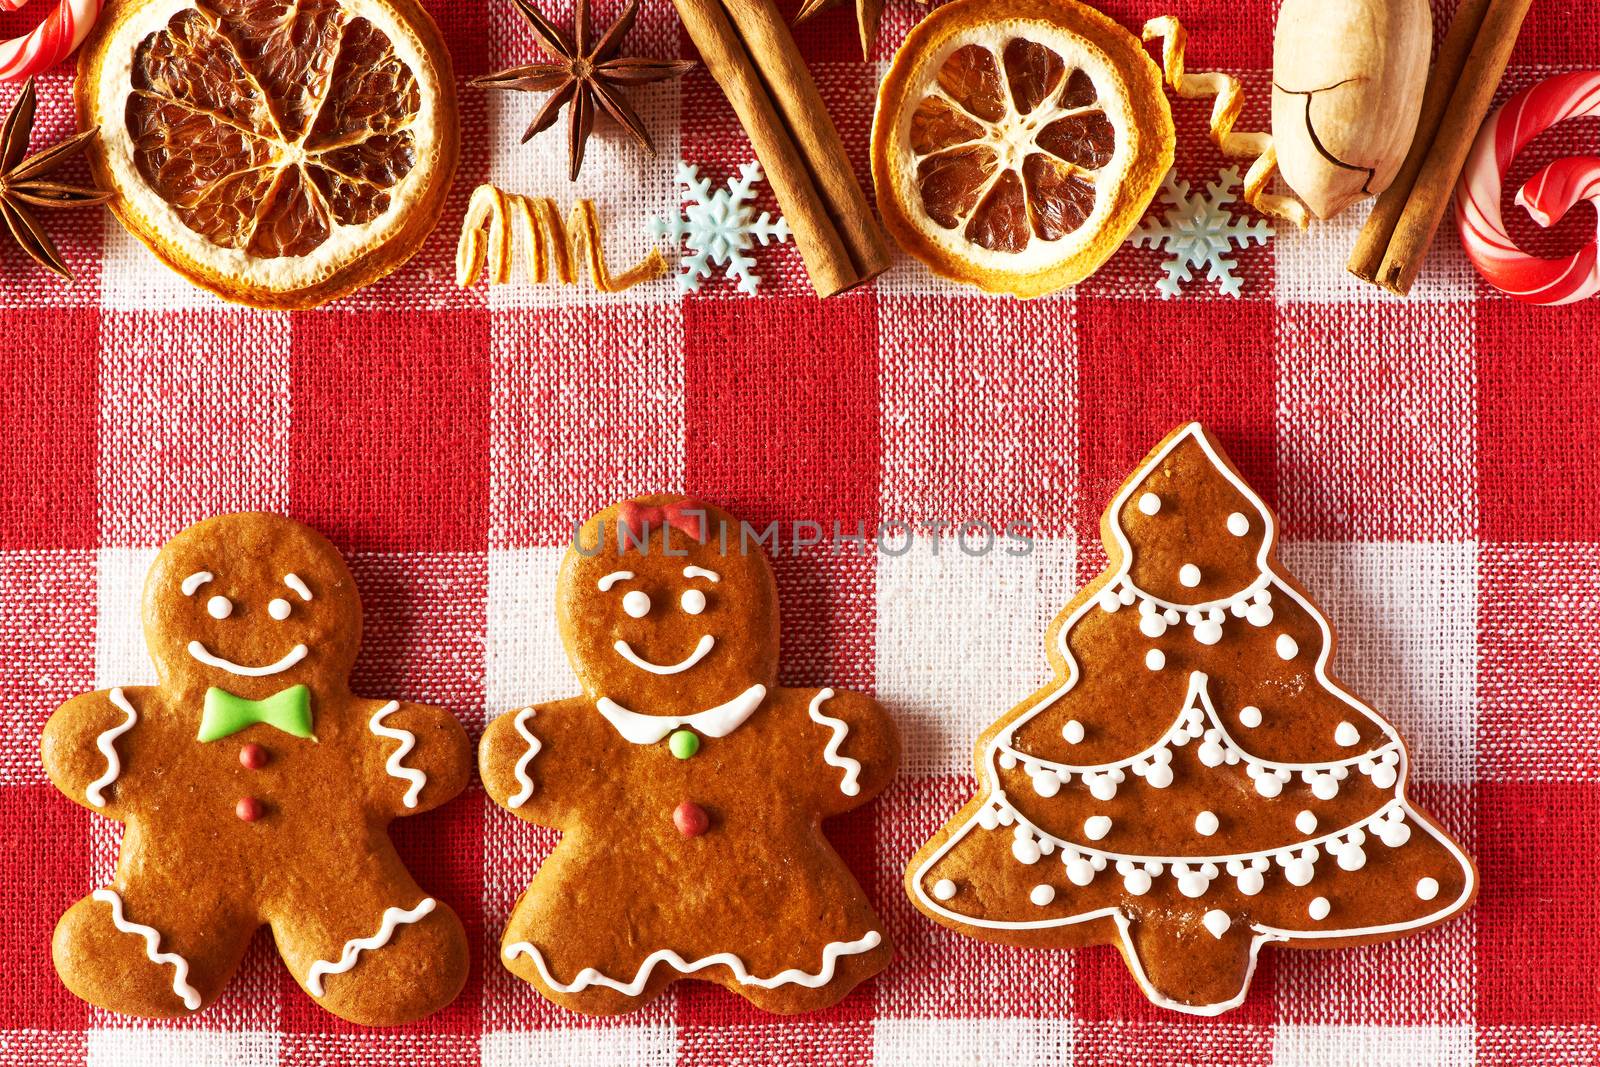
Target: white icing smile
626	651
210	659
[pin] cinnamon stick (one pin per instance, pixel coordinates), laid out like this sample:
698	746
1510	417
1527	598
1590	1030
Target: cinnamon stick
1463	115
750	53
1374	238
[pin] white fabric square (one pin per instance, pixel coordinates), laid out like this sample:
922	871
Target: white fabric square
1311	264
1406	616
524	662
120	655
588	1046
191	1048
1372	1046
133	279
960	641
971	1042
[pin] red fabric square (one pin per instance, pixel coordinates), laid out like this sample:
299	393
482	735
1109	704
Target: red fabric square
44	855
390	445
781	407
1539	398
47	457
827	604
1376	440
1537	907
1539	662
1172	1040
1142	372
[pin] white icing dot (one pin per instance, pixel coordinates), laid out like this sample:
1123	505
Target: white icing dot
1101	786
1137	882
1211	754
1159	777
279	608
1206	823
636	603
1319	908
1238	525
1306	822
1096	827
1007	761
1251	882
1149	503
1352	858
1217	922
1259	614
1155	659
1325	787
219	607
1346	734
1046	784
1108	600
1080	871
1384	776
693	601
1287	648
1152	625
1427	889
1300	871
1072	731
1208	632
1026	851
944	889
1250	716
1042	894
1268	785
1189	575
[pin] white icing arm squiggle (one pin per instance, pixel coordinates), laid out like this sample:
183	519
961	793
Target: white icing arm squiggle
107	746
392	918
794	976
152	942
849	785
408	741
521	796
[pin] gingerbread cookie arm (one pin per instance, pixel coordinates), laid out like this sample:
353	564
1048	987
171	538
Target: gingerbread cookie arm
534	760
855	745
84	747
423	755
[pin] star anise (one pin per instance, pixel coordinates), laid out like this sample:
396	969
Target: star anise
22	185
868	12
583	78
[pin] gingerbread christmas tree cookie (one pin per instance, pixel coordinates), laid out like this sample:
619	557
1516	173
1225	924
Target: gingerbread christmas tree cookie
1195	783
257	790
688	786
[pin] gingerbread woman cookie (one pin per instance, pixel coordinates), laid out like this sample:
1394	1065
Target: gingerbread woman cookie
257	790
1195	783
689	787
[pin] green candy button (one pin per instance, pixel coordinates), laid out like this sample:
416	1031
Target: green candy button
684	743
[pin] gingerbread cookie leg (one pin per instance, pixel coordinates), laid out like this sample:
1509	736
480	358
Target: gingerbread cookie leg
138	948
389	954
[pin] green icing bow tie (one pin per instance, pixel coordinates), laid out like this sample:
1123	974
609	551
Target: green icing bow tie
289	711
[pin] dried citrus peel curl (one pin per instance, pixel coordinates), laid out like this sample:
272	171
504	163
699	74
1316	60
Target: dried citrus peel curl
1224	113
494	218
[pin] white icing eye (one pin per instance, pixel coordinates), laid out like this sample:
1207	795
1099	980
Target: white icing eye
636	604
693	601
219	607
278	608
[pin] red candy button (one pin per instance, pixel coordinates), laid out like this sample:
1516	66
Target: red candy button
690	819
249	809
253	756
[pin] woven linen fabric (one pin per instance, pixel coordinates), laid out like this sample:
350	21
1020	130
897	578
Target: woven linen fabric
1432	460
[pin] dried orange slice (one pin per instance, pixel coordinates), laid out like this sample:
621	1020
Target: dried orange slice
280	153
1017	142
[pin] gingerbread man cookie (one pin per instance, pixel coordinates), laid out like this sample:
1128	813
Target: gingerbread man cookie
689	787
257	790
1195	783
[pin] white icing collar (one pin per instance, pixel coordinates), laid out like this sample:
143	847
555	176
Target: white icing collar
719	721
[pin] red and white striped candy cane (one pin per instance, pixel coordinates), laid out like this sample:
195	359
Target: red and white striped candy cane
1546	196
50	42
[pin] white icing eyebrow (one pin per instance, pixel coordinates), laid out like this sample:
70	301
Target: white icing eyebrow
612	579
195	581
293	582
701	572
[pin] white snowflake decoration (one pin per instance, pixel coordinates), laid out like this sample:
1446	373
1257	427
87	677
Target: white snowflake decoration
720	228
1200	231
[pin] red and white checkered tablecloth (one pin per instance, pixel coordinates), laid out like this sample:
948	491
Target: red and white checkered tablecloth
1433	461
